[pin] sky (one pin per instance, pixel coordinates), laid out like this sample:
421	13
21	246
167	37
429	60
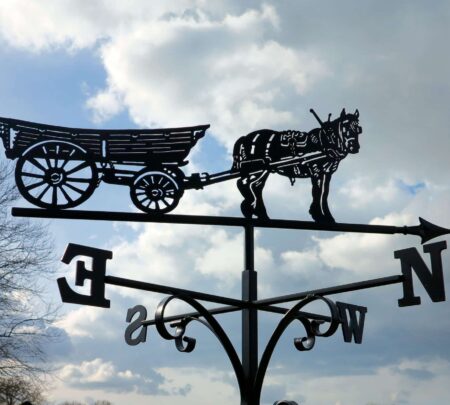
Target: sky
242	66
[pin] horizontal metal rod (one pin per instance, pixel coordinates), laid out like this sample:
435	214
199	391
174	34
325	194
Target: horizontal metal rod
300	314
377	282
163	289
213	311
212	220
228	309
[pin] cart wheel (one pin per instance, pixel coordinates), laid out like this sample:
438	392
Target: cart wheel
156	192
56	174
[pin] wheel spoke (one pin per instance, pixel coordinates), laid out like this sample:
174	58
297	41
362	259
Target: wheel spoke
34	162
55	196
145	199
34	185
78	180
34	175
157	206
81	166
64	163
78	190
43	193
66	195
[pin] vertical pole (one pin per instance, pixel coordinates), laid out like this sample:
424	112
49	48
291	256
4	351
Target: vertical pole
249	317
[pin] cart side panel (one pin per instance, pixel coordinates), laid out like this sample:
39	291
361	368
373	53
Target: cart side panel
27	137
154	148
146	146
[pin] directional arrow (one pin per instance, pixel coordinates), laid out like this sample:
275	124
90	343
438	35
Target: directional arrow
426	230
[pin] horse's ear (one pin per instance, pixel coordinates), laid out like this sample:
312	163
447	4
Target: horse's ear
343	113
356	113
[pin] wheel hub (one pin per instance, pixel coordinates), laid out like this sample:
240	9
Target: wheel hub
55	177
155	194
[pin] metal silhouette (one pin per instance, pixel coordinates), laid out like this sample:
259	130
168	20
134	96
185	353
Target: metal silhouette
249	368
315	154
60	167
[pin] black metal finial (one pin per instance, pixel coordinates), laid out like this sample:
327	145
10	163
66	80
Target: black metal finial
430	231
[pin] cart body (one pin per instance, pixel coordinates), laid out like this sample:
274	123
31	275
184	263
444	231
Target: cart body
60	167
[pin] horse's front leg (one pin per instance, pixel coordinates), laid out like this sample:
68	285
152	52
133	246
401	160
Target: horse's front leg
319	209
256	187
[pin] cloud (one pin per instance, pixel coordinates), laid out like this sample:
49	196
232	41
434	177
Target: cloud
386	385
239	82
103	375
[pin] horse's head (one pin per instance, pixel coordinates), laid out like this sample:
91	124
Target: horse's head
341	136
349	130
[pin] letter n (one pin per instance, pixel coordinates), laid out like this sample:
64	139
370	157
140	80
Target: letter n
353	326
432	281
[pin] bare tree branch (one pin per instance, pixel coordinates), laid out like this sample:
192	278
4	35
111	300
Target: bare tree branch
26	262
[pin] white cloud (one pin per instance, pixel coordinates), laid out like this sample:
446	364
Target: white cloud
177	63
105	104
409	381
73	24
79	321
104	375
238	83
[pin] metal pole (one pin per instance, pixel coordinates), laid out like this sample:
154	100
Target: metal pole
249	317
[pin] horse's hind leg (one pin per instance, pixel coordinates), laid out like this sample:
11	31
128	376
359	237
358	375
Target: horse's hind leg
251	187
319	209
244	188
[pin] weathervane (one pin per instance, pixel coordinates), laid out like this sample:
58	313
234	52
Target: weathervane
61	167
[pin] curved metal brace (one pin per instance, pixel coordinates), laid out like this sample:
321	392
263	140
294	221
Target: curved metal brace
303	344
187	344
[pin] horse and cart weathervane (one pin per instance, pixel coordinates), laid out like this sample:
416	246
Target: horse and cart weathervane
59	168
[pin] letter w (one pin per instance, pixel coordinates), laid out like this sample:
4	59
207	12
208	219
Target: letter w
353	326
432	281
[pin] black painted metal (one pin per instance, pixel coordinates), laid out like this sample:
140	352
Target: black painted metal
303	344
60	167
426	230
249	316
296	154
361	285
187	344
140	285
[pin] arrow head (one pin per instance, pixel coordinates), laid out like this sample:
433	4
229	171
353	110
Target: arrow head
428	231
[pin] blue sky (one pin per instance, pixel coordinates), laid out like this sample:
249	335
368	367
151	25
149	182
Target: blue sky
241	67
